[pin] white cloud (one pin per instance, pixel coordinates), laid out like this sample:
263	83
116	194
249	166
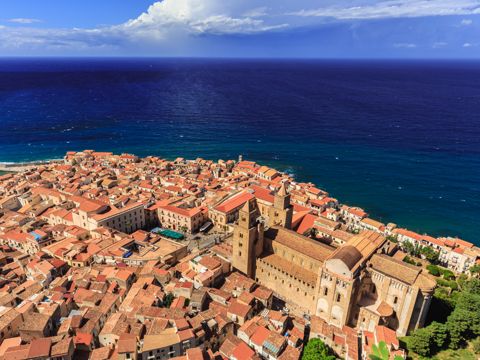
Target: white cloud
405	45
164	21
201	17
467	45
24	21
180	23
394	8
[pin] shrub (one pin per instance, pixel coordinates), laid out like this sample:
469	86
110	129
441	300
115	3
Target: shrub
476	345
434	270
408	260
447	283
317	350
448	275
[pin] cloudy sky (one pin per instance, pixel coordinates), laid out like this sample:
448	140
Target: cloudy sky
242	28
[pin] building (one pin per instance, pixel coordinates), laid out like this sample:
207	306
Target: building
177	218
356	284
225	212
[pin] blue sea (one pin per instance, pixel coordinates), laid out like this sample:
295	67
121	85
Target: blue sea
400	139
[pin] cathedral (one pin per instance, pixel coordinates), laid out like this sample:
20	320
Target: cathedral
357	284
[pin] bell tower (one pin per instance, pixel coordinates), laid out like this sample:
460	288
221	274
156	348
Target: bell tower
282	211
247	239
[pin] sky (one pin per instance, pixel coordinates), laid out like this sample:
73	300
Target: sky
441	29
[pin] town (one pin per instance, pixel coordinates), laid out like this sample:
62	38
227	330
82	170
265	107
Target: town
108	256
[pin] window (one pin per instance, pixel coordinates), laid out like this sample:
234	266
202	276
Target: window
339	297
325	291
395	299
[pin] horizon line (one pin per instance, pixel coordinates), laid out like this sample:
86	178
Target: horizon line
156	57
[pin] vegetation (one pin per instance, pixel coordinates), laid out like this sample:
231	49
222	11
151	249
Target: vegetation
411	261
317	350
411	249
381	352
168	299
460	307
475	270
430	254
392	238
434	270
476	345
448	283
417	250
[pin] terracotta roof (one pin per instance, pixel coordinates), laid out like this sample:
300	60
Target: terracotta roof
260	335
239	309
349	255
384	309
40	348
382	333
234	202
180	211
300	243
404	272
262	193
243	352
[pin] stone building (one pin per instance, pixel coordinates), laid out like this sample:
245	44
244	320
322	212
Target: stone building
356	284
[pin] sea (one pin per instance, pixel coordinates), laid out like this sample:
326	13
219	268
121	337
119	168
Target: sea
400	139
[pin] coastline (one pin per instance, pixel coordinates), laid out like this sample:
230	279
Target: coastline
6	167
13	167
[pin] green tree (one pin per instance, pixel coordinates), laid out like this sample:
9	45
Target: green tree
458	324
473	286
392	238
448	275
434	270
439	335
475	270
168	299
428	340
408	247
317	350
430	254
419	342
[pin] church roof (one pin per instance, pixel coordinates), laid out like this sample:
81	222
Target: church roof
399	270
384	309
300	243
359	247
367	242
349	255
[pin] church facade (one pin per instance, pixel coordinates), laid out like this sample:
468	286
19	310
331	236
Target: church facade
357	284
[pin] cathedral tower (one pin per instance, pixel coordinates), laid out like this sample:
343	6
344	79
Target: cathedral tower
282	212
247	239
